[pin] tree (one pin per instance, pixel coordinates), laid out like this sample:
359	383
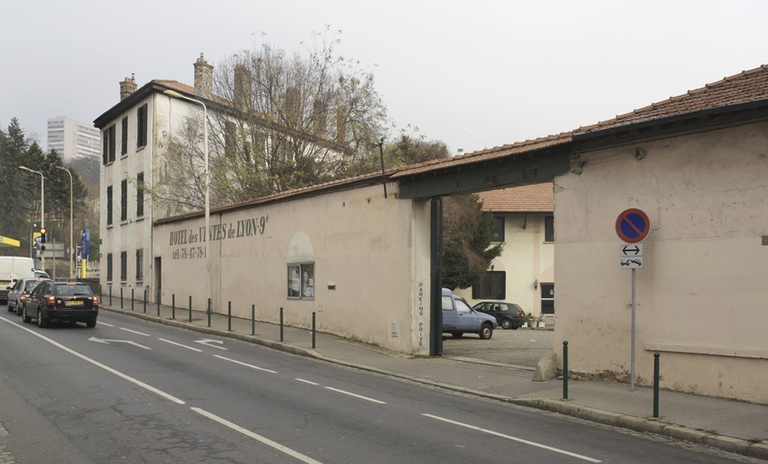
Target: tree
467	235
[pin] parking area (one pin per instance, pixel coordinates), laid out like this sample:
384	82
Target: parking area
521	347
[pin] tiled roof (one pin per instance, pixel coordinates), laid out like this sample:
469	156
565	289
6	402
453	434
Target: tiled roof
485	155
523	199
745	87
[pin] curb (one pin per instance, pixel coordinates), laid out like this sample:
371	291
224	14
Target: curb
566	407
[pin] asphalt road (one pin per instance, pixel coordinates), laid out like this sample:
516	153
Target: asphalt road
133	391
521	347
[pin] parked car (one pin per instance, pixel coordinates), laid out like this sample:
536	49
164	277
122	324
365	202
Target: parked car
63	302
18	293
508	315
459	318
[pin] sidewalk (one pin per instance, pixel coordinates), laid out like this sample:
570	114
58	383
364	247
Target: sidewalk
729	425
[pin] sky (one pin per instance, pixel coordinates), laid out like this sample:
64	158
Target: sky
474	75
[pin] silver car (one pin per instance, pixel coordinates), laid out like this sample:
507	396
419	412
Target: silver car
18	293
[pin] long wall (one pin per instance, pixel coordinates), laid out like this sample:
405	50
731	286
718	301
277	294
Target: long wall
702	290
366	259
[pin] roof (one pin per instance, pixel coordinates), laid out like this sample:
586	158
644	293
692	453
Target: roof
537	198
746	87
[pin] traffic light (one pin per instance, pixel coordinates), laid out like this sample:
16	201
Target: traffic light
43	230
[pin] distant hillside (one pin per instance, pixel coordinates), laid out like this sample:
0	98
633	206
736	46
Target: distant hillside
88	169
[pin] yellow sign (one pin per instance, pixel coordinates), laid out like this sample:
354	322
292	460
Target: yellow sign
5	241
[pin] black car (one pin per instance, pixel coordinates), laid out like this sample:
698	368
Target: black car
20	290
508	315
63	302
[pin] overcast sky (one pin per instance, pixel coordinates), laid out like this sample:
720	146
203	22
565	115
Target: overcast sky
474	74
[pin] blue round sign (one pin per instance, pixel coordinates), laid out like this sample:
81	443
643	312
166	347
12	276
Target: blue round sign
633	225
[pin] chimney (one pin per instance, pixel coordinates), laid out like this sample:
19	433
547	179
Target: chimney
242	94
127	87
203	78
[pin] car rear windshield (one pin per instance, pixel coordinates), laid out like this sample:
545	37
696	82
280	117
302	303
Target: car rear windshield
31	284
70	289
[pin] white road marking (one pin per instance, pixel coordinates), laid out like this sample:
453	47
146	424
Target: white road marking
179	344
509	437
343	392
98	364
257	437
133	331
108	342
245	364
207	342
104	323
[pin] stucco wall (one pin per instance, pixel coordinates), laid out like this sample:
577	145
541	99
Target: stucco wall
702	291
368	257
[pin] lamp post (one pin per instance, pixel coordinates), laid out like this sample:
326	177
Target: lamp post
71	243
174	94
42	207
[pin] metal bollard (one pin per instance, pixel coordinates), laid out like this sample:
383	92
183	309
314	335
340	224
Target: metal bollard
110	295
229	316
313	330
131	299
121	297
173	306
158	302
656	384
100	295
145	301
190	308
253	319
565	370
209	312
281	324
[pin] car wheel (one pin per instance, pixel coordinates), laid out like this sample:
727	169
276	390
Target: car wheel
507	324
91	324
25	316
486	331
457	334
19	310
41	321
9	307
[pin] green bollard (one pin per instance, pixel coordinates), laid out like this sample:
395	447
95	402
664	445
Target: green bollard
190	308
253	319
281	324
173	306
131	299
110	295
565	370
209	312
121	297
145	301
656	384
313	330
229	316
158	302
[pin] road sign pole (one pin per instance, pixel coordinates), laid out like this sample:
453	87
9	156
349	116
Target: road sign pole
632	373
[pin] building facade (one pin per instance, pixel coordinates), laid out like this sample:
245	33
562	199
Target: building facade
73	139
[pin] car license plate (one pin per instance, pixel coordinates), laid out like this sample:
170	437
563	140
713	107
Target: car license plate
74	303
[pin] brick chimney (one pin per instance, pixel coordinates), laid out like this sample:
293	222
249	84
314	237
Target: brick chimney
203	78
127	87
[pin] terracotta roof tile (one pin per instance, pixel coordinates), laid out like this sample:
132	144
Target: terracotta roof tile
523	199
745	87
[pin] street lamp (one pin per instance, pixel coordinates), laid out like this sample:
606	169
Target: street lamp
174	94
71	244
42	207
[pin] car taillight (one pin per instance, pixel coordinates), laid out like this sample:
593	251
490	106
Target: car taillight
95	301
51	301
23	297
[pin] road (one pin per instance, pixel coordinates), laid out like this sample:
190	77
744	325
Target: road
133	391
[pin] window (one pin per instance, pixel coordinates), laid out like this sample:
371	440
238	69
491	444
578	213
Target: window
124	200
124	137
109	267
547	298
123	266
549	229
141	128
301	281
140	194
108	153
139	265
498	229
493	286
109	205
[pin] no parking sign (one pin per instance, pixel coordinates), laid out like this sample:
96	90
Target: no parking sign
633	225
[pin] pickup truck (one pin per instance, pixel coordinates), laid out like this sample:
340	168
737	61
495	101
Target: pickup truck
459	318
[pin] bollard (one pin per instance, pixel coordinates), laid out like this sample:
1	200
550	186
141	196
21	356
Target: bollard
209	312
656	385
173	306
158	302
121	297
229	316
281	324
565	370
131	299
190	308
253	319
313	330
145	301
100	296
110	295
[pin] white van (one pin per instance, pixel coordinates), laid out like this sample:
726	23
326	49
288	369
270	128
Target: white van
13	268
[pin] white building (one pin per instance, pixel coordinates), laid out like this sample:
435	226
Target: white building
73	139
